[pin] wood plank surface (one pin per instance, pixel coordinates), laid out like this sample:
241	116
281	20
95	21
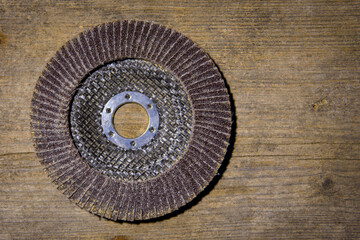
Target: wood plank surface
293	68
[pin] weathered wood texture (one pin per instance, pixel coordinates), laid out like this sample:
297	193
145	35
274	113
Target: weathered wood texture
293	68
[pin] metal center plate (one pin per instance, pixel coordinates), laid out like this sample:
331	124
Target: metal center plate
117	101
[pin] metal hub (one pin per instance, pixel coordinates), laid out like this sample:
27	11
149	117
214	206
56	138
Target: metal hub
117	101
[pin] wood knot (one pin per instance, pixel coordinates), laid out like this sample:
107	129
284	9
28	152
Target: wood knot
2	38
327	187
328	184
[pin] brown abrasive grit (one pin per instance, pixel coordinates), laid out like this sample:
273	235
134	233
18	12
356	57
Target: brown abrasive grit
110	195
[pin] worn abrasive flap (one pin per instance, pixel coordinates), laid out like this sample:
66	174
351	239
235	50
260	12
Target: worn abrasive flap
187	134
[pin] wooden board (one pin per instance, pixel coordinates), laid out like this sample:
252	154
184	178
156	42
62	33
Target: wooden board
293	68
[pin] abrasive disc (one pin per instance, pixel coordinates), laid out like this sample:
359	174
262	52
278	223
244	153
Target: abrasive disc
187	134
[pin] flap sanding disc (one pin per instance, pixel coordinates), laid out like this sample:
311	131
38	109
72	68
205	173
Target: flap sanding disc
186	138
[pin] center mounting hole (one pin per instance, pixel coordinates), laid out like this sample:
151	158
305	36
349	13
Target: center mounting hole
131	120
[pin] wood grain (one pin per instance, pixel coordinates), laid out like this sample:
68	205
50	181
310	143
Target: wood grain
293	70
